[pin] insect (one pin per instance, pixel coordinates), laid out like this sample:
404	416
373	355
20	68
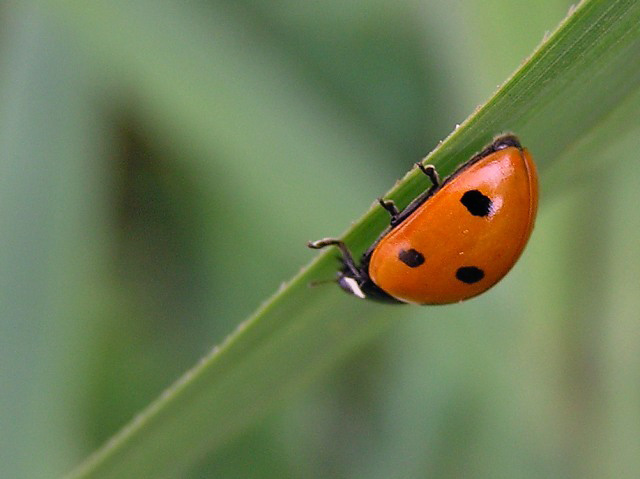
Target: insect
455	240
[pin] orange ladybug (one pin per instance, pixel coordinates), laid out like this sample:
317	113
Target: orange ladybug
457	239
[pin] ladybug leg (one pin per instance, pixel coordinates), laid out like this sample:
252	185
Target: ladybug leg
347	258
431	172
390	206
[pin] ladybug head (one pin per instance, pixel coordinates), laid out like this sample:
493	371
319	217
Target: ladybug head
350	285
364	288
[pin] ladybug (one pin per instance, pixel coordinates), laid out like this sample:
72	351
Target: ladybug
455	240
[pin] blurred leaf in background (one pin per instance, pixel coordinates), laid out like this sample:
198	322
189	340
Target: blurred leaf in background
162	165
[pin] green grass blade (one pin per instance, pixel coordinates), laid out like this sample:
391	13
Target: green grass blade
578	79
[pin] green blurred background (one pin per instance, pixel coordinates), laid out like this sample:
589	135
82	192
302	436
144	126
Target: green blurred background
162	165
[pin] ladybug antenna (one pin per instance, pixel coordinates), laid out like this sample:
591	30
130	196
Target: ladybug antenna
319	282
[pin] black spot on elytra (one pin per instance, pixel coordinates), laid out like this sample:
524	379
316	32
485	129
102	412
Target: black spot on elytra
411	258
469	274
476	203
